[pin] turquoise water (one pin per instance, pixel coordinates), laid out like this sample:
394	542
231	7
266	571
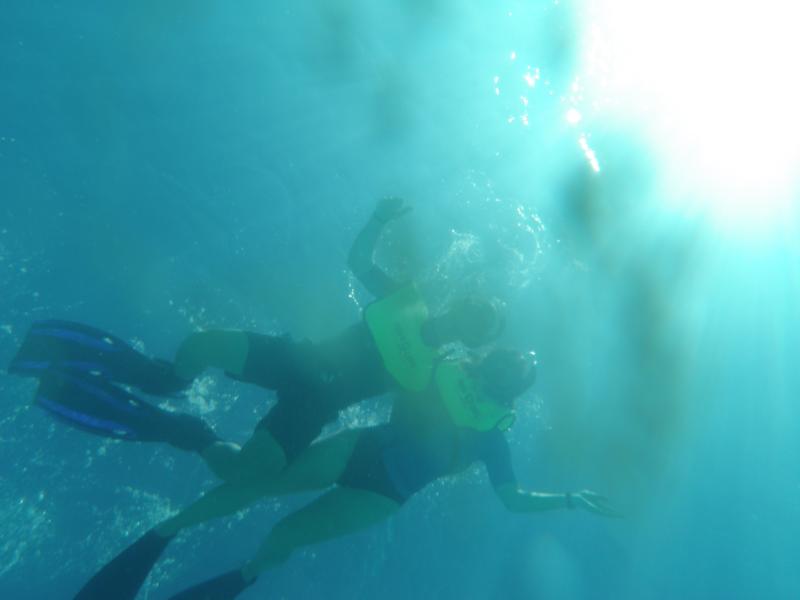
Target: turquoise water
166	167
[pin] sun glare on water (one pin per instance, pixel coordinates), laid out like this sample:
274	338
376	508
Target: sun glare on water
714	87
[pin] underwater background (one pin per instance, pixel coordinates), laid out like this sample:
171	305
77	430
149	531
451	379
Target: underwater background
172	166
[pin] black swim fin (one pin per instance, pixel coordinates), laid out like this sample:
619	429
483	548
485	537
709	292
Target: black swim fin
223	587
94	405
121	578
66	346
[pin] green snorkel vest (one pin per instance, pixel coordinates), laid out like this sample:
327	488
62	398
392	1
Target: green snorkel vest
468	407
396	326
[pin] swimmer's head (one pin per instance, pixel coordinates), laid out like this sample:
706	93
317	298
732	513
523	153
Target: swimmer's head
506	374
473	321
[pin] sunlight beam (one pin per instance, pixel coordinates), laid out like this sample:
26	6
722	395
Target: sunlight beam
713	85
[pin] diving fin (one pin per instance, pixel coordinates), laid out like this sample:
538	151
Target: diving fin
94	405
66	346
223	587
121	578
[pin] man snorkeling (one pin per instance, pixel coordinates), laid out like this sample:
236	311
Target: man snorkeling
82	370
395	346
459	419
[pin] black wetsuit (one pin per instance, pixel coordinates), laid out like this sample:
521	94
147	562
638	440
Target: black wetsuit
313	381
420	445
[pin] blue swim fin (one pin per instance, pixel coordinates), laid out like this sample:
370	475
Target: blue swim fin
92	404
121	578
69	347
223	587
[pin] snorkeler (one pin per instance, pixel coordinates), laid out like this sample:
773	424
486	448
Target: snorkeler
395	346
370	473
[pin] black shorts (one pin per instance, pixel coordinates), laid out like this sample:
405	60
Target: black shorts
366	470
312	384
278	362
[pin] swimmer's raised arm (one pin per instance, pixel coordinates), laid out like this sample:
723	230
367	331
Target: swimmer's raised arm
361	260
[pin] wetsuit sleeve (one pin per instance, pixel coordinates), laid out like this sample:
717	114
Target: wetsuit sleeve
496	455
361	263
378	283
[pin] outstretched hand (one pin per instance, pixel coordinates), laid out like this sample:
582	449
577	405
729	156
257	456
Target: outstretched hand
390	208
594	503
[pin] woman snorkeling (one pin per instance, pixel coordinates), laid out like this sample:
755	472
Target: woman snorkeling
368	474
